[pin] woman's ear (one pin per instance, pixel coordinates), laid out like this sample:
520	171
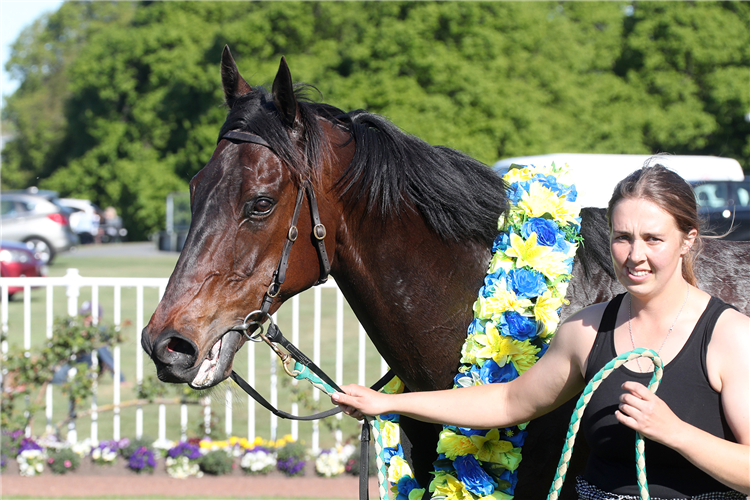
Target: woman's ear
689	240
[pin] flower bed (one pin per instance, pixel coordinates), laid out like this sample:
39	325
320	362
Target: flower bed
192	458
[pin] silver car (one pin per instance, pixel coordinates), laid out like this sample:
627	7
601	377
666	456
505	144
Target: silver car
37	221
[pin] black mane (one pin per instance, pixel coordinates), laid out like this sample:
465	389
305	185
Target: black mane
459	197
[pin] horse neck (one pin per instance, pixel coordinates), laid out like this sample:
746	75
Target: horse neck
412	292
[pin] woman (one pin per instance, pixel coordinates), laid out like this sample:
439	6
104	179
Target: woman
697	428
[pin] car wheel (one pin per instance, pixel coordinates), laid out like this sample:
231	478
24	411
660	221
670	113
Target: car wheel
41	249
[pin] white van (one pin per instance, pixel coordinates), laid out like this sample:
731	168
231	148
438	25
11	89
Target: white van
596	175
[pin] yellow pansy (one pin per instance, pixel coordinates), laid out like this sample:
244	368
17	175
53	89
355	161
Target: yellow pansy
397	469
445	485
527	252
545	311
455	445
490	448
389	431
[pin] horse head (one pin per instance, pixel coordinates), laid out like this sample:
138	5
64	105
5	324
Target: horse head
253	199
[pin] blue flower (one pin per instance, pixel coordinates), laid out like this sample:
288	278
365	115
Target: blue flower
473	476
517	437
443	463
404	486
389	453
393	417
476	326
550	182
501	242
509	477
546	230
527	283
513	324
492	373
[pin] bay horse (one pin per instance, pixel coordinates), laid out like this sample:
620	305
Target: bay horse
408	230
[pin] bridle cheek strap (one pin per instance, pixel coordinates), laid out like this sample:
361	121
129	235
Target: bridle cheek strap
318	231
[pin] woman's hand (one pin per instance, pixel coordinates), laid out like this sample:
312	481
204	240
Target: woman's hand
359	401
645	412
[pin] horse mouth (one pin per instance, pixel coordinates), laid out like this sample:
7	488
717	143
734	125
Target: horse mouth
216	365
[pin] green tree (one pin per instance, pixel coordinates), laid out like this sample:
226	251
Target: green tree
120	102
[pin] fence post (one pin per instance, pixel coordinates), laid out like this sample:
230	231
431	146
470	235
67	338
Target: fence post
72	292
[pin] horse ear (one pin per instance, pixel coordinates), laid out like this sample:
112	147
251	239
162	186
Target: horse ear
234	85
283	94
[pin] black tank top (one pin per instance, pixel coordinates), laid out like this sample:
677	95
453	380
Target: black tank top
687	391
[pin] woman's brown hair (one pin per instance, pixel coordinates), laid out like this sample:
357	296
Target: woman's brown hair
670	192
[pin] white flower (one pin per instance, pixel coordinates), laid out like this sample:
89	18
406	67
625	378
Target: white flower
331	463
258	461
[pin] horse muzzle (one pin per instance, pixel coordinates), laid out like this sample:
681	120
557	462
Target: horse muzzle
178	360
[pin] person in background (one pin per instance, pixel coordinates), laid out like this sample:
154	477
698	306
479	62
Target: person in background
697	426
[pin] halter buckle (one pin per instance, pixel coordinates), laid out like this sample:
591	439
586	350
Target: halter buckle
319	231
293	233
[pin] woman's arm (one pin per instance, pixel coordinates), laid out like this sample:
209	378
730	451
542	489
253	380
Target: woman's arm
729	372
557	377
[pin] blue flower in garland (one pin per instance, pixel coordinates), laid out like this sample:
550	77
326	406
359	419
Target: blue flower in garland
509	477
404	486
550	182
393	417
389	453
491	372
473	476
546	231
501	242
517	326
476	326
527	283
515	436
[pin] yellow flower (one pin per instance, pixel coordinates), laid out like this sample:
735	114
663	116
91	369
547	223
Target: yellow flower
545	311
389	431
518	175
527	253
500	301
496	346
539	200
554	265
397	469
501	261
455	445
395	386
491	448
445	485
526	358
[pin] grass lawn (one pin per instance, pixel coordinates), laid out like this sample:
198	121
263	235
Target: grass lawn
161	264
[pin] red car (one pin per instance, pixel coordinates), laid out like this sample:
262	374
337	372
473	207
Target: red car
16	260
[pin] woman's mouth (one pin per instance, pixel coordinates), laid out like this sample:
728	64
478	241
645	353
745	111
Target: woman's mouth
637	273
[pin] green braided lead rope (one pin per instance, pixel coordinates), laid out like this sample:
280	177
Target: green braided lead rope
379	457
583	401
301	372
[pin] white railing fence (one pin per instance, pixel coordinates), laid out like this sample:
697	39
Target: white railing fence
337	342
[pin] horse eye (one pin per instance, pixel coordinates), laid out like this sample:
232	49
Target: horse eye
260	206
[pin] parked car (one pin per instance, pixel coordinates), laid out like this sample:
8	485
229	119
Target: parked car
725	206
16	260
38	221
85	219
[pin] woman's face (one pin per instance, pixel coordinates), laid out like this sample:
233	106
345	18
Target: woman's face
646	246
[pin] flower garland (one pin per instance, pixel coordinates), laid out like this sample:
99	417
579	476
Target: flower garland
515	317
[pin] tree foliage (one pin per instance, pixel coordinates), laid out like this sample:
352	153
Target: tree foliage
120	102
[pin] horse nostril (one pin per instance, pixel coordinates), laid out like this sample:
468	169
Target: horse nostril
179	345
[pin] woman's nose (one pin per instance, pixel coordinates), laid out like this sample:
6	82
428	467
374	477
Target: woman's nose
636	251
